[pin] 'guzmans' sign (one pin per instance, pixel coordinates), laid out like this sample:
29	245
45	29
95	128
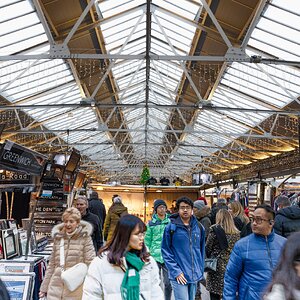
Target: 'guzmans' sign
16	157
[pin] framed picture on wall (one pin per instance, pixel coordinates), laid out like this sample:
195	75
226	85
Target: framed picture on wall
9	243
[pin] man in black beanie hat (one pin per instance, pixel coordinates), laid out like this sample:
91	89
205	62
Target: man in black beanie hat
153	240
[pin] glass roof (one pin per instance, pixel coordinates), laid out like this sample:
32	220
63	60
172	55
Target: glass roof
243	85
169	36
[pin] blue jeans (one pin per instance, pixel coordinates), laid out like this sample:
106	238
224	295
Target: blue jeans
184	292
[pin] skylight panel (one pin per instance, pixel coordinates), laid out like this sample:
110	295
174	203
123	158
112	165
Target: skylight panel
112	7
13	11
159	99
284	47
139	77
126	69
120	41
256	91
39	78
284	16
16	94
258	79
25	33
173	21
134	113
129	93
133	47
20	45
18	23
60	95
273	39
213	120
183	8
279	29
120	19
136	98
225	98
127	24
292	5
162	91
176	41
248	118
171	84
124	32
161	49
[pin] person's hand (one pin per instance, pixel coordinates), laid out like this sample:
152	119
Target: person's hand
181	279
42	294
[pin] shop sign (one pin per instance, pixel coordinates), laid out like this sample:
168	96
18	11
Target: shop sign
52	184
10	177
15	157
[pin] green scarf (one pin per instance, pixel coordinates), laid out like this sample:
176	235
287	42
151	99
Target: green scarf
130	287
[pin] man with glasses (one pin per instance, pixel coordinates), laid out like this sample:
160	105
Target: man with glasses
183	249
153	240
253	258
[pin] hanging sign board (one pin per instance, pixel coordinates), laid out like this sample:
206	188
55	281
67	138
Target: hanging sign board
10	177
15	157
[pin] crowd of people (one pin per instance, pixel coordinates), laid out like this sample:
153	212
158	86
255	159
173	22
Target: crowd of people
131	260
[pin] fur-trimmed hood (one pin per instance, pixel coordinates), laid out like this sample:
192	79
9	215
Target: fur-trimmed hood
84	228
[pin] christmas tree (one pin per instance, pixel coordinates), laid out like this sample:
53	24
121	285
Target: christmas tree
145	175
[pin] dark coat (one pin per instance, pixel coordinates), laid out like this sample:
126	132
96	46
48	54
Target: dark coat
97	207
287	221
215	280
115	212
203	217
214	211
97	229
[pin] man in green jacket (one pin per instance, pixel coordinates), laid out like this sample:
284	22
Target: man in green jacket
153	239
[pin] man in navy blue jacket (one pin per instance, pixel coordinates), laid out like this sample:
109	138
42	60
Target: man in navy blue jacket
253	258
183	250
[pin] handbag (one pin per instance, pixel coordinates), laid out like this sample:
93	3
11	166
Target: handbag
74	276
210	264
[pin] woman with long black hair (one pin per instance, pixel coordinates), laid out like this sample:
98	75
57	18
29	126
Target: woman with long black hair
124	269
286	277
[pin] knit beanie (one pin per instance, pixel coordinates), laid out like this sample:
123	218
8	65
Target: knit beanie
117	199
199	204
159	202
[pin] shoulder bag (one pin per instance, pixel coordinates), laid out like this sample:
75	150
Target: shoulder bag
74	276
210	264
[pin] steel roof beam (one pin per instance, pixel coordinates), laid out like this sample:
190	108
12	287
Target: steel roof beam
228	134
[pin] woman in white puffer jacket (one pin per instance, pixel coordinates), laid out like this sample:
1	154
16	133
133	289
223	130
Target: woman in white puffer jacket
286	277
124	269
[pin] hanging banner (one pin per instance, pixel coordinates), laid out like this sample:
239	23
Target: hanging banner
15	157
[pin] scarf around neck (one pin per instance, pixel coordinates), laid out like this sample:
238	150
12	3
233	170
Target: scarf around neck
130	287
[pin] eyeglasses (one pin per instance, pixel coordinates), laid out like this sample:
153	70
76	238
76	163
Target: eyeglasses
258	220
141	234
185	207
161	207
